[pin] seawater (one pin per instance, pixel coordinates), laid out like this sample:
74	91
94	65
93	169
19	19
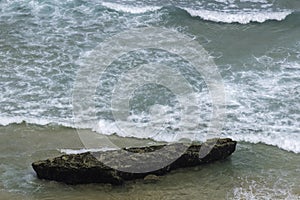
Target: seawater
254	171
254	43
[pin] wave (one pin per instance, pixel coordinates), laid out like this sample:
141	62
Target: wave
288	142
242	17
5	121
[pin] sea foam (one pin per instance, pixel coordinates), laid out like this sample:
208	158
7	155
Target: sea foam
239	17
226	16
288	142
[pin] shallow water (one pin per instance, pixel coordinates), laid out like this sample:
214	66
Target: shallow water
253	172
254	45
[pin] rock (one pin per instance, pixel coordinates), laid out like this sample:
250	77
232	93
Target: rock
117	166
151	178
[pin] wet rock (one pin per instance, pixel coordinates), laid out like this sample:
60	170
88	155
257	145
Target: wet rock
117	166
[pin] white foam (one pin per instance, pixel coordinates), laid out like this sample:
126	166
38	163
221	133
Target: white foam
288	142
78	151
239	17
226	16
5	121
31	111
130	9
266	188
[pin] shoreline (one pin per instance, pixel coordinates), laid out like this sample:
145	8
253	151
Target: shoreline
259	168
117	140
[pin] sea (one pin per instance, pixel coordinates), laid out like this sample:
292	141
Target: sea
143	72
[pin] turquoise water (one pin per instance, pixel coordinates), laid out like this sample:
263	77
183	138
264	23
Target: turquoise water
253	43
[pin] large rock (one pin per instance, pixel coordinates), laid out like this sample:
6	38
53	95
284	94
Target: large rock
117	166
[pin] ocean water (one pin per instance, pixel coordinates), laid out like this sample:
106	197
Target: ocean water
47	46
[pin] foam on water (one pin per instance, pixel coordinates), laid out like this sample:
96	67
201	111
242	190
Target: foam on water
41	42
38	55
289	142
225	15
38	68
4	121
239	17
255	110
260	188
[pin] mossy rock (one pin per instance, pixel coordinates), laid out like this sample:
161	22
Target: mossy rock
117	166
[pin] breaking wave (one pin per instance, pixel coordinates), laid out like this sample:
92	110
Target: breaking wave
242	17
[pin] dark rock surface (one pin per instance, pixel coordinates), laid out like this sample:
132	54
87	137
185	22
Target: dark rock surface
117	166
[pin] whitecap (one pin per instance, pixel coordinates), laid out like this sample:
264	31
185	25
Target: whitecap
239	17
